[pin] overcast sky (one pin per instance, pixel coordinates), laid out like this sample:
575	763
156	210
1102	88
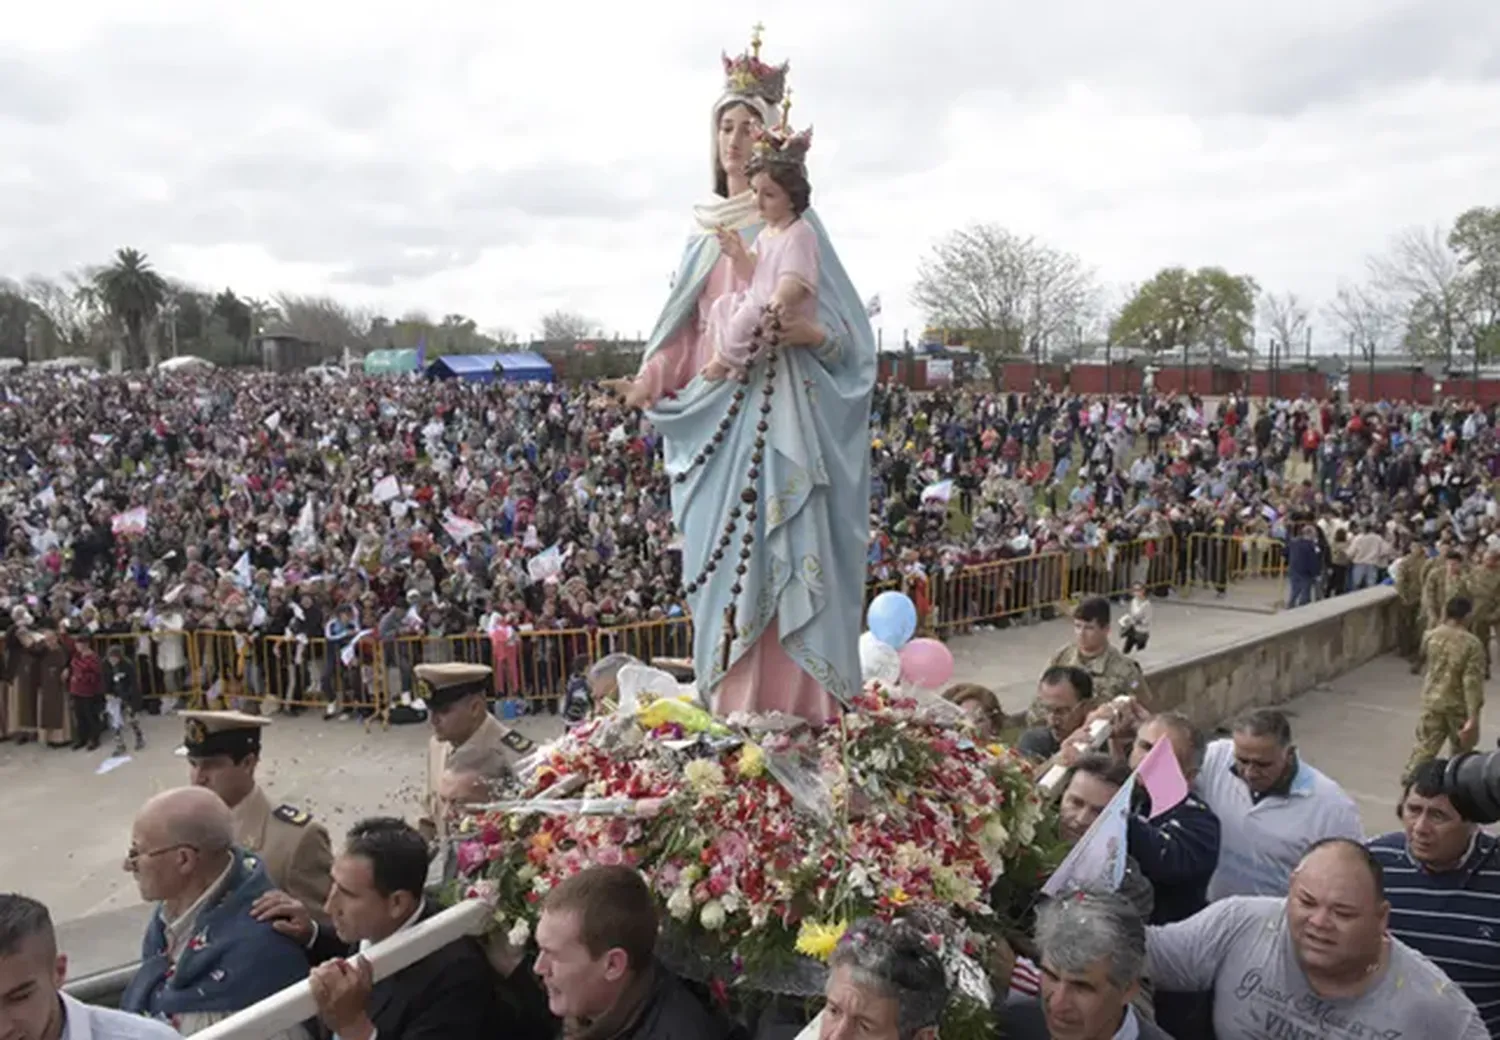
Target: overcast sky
501	160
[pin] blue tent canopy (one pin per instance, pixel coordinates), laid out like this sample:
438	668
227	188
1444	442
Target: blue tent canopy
486	368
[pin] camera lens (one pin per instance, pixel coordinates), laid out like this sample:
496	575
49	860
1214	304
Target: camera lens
1472	783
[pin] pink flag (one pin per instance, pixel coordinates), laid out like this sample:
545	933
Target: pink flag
1161	775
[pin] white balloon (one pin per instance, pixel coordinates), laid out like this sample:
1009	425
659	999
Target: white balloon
878	661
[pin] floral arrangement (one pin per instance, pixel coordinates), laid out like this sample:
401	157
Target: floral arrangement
764	843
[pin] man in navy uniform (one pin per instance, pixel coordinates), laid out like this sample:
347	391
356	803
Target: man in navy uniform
223	749
457	698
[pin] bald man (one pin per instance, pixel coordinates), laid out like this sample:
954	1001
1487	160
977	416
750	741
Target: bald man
1274	964
204	957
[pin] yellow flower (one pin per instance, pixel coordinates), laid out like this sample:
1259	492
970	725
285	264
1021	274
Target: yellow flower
819	940
899	896
752	761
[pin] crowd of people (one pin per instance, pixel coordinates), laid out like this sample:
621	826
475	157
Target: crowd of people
258	535
1254	907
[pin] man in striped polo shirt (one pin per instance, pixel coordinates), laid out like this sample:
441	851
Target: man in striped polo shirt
1442	876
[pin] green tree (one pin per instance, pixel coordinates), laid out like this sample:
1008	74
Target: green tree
1475	239
1208	310
133	293
237	315
1011	295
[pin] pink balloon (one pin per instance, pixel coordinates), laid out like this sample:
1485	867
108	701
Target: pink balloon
926	663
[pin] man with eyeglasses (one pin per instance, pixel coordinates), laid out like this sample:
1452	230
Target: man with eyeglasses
1063	699
204	957
1272	806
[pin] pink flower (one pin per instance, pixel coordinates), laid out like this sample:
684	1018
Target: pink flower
471	856
609	856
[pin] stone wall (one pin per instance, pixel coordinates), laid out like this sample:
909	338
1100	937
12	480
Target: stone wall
1297	650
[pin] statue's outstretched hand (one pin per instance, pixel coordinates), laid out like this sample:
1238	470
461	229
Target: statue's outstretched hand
631	391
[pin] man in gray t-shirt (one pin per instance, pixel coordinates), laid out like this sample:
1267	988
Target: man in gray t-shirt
1317	965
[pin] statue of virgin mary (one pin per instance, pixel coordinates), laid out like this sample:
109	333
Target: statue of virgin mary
776	629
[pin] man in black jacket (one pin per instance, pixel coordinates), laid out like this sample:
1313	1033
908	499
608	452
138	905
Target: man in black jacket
597	937
377	892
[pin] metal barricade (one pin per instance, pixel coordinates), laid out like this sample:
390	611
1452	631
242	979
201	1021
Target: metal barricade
1028	586
1112	570
1217	560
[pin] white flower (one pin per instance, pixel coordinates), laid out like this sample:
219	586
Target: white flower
680	905
994	835
541	885
704	775
519	933
526	874
712	915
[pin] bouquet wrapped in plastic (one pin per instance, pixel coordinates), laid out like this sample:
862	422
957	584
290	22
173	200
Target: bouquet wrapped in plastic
762	838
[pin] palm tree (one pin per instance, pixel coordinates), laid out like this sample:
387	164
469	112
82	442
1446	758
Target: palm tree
133	293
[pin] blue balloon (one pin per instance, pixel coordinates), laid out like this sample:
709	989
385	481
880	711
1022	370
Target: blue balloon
892	618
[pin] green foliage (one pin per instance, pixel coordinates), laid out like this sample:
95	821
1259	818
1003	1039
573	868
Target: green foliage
133	293
1207	309
1475	240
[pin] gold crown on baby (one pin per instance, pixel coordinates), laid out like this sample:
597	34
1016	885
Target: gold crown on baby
779	146
747	75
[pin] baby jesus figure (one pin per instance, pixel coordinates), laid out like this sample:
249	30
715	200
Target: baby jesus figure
781	267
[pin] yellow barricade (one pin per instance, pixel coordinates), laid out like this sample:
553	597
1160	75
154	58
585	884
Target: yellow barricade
225	669
1026	586
1216	560
1111	570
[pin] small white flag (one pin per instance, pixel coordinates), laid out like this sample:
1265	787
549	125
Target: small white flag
387	488
132	521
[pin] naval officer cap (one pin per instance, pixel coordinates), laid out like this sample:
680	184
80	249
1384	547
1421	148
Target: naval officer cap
230	733
443	685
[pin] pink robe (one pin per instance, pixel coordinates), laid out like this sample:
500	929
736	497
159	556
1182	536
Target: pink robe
764	679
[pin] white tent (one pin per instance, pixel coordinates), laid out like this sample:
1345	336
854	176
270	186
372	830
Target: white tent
185	362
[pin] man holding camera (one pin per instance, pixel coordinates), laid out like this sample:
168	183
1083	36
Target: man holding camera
1443	878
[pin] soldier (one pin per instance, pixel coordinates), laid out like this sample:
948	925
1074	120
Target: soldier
1484	583
1442	584
1113	673
1409	592
457	697
223	749
1453	692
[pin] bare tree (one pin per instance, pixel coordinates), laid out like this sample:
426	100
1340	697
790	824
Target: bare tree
1419	278
317	319
1363	315
64	312
567	326
1008	294
503	335
1286	320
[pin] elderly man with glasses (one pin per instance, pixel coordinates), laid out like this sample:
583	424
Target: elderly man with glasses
204	957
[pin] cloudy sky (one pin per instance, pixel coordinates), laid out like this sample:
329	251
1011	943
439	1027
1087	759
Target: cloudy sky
501	160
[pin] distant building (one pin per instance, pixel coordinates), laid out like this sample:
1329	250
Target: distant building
282	352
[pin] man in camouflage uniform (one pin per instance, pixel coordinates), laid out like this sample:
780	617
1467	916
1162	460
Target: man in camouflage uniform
1409	591
1443	583
1453	692
1484	584
1113	673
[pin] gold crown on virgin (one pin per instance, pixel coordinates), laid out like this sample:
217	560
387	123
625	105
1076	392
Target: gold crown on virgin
749	76
780	146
